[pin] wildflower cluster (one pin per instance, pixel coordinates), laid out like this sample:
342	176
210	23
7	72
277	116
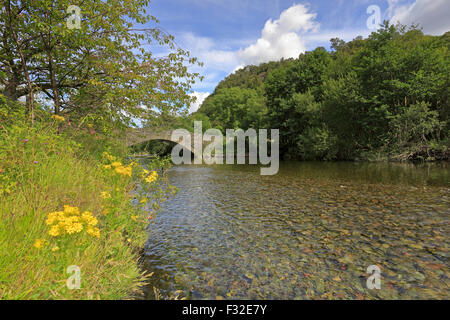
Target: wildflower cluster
123	170
108	202
58	118
39	243
70	221
105	195
150	177
117	166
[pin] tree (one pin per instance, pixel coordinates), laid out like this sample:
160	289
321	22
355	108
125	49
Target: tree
381	95
233	108
292	93
415	123
102	69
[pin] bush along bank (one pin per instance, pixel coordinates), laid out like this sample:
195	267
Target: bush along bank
73	214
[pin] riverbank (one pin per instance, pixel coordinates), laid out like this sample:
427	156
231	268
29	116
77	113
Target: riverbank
413	154
66	200
421	153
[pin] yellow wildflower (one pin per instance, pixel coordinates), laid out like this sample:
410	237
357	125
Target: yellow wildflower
116	164
143	200
89	218
58	118
72	219
70	222
54	217
126	171
55	248
134	218
107	166
74	228
86	215
95	232
38	243
54	231
105	195
152	177
71	210
93	221
109	157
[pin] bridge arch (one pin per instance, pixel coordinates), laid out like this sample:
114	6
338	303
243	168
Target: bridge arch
138	136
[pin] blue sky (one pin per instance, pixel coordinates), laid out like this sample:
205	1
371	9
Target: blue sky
228	34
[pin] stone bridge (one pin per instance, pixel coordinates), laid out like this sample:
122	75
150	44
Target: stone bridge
136	136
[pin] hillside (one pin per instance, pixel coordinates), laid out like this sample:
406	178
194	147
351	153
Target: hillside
384	97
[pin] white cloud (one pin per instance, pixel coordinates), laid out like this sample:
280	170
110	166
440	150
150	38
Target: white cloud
322	38
293	33
218	61
432	15
201	96
238	68
207	50
281	38
393	4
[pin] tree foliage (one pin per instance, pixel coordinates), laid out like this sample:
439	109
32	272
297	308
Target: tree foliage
387	94
104	70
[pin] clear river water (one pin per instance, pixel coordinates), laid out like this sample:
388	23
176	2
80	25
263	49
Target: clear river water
309	232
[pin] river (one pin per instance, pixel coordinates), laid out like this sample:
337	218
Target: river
309	232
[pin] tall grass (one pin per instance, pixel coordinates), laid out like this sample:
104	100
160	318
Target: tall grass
40	172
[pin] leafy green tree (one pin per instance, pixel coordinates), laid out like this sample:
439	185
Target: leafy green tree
415	123
389	72
293	94
101	70
368	97
233	108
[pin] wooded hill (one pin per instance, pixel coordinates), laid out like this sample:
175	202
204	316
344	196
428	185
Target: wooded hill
384	97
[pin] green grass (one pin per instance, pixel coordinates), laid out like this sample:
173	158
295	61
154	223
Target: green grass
40	172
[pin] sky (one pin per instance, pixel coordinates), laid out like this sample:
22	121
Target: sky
229	34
